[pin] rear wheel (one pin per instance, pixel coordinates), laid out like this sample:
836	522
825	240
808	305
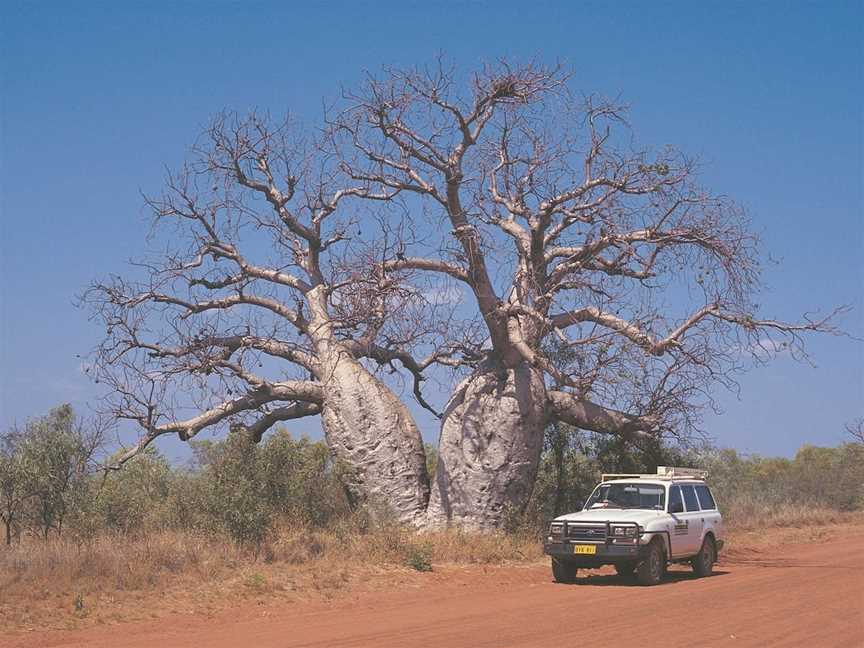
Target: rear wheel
625	570
563	571
650	570
703	562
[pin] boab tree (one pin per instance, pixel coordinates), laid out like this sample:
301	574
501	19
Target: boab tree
565	236
260	309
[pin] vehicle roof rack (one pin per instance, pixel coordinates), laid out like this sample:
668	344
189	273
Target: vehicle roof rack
677	472
611	476
663	472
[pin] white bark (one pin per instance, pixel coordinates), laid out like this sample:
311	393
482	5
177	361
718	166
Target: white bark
491	439
368	428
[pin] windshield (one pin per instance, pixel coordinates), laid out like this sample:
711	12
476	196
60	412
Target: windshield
628	496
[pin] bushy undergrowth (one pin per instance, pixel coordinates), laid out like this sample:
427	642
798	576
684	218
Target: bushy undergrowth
751	490
258	514
282	501
754	490
250	493
235	489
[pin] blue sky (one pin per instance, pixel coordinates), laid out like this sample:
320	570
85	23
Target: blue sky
96	98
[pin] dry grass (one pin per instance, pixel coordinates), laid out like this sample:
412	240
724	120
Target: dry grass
749	513
65	583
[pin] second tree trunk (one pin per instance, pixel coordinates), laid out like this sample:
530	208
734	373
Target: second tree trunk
489	451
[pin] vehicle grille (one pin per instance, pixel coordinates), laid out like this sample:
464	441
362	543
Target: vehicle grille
589	532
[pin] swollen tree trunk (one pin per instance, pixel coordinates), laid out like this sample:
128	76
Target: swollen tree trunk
489	452
367	428
372	434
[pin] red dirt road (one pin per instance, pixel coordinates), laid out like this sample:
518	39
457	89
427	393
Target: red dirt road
803	596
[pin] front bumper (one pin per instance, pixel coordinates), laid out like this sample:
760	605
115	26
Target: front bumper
606	553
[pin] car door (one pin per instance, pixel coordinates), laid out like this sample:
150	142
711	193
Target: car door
694	520
679	526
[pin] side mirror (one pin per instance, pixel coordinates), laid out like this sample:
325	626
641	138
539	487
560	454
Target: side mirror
580	505
677	507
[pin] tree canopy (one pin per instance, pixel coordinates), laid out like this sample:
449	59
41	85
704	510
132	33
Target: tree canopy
494	224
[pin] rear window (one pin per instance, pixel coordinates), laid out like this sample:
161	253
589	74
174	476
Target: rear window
705	498
690	498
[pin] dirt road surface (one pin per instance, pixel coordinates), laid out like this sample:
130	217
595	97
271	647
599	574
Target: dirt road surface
807	595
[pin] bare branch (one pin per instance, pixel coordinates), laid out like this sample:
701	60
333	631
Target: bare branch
586	415
281	414
433	265
387	356
855	429
186	429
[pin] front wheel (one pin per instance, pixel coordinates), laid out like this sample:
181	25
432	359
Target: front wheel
625	570
563	571
703	562
650	570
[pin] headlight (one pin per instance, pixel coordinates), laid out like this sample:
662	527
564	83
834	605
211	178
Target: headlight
556	529
624	531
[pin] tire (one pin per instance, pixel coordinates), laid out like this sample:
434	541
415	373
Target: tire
625	570
650	569
703	562
563	571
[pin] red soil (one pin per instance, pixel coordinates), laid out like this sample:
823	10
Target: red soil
793	595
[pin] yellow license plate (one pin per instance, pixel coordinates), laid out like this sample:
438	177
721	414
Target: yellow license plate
584	549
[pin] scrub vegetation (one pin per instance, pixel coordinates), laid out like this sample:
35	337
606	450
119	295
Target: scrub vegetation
751	490
273	519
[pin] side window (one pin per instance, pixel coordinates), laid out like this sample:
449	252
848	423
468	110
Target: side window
674	497
690	498
705	498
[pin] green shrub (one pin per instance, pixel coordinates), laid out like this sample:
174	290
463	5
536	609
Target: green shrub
244	490
234	490
136	497
419	557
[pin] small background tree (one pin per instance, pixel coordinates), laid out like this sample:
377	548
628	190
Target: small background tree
15	485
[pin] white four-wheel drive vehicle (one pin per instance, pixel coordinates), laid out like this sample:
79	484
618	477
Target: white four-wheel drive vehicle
640	523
